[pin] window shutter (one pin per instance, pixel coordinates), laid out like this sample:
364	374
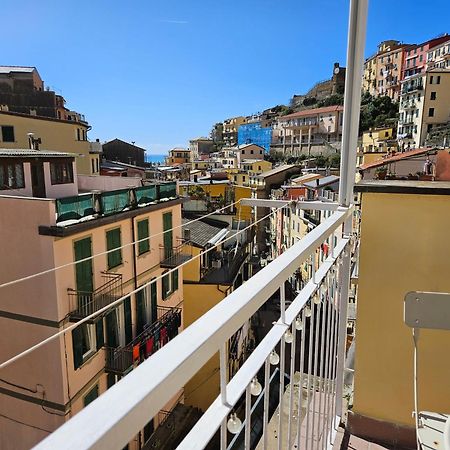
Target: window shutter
99	334
165	286
127	314
174	280
77	348
140	311
143	246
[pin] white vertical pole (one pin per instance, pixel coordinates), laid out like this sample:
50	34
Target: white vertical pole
352	98
248	407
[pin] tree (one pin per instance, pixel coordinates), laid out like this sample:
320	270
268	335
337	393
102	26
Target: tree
334	160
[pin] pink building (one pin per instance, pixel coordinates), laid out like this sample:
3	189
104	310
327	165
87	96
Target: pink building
415	59
47	228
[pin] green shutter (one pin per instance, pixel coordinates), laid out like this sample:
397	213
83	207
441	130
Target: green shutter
111	329
165	286
99	334
168	239
83	270
113	241
140	311
175	280
154	301
77	347
91	395
143	232
128	326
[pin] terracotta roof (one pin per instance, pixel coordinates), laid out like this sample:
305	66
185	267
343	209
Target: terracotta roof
396	157
313	112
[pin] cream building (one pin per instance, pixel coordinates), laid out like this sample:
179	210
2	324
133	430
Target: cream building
424	105
22	131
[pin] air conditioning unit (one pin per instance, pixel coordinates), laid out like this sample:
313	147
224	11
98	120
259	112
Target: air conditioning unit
216	264
187	234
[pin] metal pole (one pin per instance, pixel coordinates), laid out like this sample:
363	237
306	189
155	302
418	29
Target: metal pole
352	99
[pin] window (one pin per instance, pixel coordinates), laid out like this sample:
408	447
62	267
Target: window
93	165
7	133
61	172
86	340
438	79
431	112
251	152
11	176
91	395
169	284
431	79
143	233
433	96
113	241
78	135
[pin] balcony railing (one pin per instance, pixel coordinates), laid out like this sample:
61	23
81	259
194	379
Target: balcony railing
121	360
83	304
174	256
112	202
306	344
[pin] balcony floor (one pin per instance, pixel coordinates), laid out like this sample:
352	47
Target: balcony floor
346	441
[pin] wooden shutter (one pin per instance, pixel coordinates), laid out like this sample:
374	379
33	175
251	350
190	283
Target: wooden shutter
168	239
154	301
77	347
99	334
113	241
128	326
165	286
174	280
140	311
83	270
143	232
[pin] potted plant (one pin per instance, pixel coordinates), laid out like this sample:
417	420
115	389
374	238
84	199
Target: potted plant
381	173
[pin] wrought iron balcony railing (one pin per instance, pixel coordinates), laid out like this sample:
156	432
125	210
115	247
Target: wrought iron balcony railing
83	304
174	256
121	360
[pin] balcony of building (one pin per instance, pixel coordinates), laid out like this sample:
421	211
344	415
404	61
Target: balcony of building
85	303
171	257
411	87
165	326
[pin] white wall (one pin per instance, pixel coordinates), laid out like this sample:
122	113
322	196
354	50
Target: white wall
106	183
59	190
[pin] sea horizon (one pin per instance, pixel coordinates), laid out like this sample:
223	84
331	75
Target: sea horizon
154	158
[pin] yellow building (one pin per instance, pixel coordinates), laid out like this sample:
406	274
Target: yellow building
230	130
376	143
178	156
369	83
214	195
207	280
22	131
411	256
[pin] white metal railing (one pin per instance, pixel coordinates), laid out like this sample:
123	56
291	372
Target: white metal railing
121	412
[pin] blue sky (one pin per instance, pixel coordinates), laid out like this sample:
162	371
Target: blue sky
161	72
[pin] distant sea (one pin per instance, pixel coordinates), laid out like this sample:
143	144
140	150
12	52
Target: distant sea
151	158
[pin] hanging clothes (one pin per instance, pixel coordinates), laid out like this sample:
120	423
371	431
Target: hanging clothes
163	338
149	346
136	354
